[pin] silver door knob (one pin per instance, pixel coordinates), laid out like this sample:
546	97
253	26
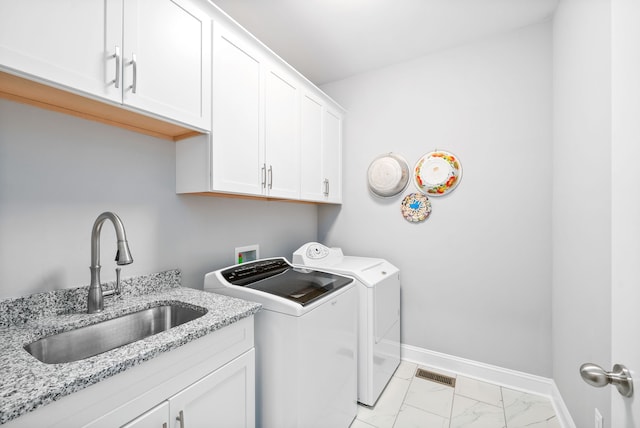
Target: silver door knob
620	376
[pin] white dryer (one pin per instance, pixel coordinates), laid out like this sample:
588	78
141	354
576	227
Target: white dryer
378	284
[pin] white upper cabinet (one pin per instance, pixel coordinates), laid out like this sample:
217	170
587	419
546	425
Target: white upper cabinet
332	155
236	146
312	178
153	55
282	139
65	42
273	133
166	60
255	142
254	146
321	146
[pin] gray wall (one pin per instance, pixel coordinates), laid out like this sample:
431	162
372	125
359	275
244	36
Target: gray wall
476	275
582	202
57	173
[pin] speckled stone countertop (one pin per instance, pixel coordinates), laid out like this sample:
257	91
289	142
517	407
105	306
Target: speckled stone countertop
26	383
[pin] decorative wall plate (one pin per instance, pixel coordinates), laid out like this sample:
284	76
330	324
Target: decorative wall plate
437	173
416	207
388	175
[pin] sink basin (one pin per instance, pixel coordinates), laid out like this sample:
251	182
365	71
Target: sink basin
84	342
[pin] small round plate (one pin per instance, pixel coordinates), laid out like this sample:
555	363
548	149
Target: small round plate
437	173
416	207
388	175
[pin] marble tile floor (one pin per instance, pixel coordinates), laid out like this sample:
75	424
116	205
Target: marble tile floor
411	402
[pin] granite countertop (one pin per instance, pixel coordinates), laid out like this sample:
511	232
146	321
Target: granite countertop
27	384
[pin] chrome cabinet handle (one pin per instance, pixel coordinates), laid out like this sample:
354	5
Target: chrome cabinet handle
134	82
620	377
270	177
180	418
116	55
263	173
326	186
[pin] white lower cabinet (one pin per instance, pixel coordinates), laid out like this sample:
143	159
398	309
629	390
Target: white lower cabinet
158	417
225	398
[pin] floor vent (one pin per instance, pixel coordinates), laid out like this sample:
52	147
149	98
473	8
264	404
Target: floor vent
436	377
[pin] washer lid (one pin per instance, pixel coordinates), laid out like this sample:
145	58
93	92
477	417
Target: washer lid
388	175
279	278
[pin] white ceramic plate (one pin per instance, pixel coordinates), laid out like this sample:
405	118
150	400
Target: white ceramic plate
388	175
415	207
437	173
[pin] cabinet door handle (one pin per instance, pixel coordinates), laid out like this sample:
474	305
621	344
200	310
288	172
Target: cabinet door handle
326	186
134	64
116	55
180	418
270	176
263	172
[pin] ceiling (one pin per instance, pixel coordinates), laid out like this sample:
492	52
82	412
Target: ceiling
328	40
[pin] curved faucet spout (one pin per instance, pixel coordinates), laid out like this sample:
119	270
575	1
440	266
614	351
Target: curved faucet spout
95	302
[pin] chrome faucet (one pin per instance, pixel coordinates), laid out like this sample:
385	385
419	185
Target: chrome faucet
95	301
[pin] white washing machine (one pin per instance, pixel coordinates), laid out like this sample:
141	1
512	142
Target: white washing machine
306	340
378	285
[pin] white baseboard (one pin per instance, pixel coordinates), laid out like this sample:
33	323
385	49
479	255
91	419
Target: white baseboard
508	378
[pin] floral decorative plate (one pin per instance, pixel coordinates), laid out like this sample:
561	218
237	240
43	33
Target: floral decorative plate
388	175
416	207
437	173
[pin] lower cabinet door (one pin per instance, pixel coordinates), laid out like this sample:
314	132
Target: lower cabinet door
225	398
158	417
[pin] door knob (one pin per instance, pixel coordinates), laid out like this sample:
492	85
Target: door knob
620	376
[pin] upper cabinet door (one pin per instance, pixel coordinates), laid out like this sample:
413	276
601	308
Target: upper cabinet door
69	43
311	177
282	136
167	60
332	155
321	150
236	137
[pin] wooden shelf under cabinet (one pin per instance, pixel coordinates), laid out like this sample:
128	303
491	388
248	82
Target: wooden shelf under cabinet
26	91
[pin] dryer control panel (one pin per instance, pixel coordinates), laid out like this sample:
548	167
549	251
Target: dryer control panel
317	251
316	254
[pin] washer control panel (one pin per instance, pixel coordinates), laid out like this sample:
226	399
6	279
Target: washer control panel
251	272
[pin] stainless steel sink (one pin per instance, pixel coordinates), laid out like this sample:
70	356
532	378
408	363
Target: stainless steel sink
94	339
